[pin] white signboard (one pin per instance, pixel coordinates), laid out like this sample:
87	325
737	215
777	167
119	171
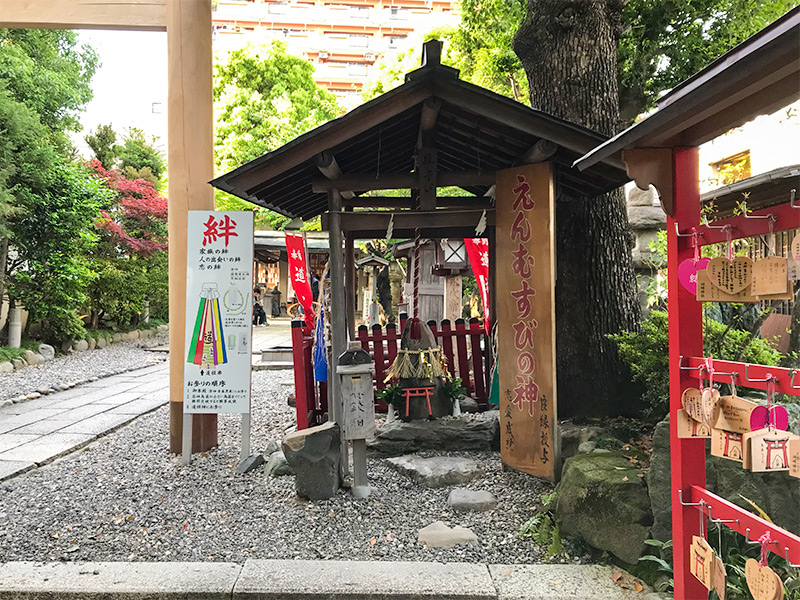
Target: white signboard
219	312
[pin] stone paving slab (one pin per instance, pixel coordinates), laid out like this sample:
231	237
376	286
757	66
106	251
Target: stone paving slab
120	581
82	412
12	440
118	399
559	582
140	406
12	468
21	408
42	427
99	424
46	448
16	421
362	580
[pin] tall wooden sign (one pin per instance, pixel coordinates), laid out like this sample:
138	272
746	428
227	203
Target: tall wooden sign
525	279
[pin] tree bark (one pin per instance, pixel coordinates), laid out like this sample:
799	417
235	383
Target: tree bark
569	49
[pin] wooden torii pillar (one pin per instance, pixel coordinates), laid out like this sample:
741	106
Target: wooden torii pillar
190	153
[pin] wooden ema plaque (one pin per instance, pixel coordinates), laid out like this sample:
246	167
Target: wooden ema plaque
526	319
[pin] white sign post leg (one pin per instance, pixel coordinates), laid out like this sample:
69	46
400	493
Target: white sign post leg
245	435
186	446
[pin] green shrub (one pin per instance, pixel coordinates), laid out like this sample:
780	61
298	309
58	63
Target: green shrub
647	353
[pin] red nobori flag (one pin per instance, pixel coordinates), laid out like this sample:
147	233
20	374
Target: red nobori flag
298	275
478	252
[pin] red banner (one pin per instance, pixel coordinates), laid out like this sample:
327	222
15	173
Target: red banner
478	252
298	275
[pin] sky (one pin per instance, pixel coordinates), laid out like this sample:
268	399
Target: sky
130	86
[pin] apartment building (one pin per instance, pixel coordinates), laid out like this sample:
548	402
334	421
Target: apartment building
342	38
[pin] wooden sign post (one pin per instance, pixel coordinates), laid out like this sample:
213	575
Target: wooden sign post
525	279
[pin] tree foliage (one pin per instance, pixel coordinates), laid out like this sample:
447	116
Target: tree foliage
263	98
130	260
661	43
138	155
103	142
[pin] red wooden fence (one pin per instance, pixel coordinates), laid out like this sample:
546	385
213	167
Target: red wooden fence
465	347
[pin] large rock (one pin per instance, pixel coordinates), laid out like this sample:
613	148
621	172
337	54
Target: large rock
646	217
92	343
47	351
80	345
439	535
777	494
602	499
314	455
6	367
248	464
277	465
31	357
437	471
466	500
102	342
572	436
480	432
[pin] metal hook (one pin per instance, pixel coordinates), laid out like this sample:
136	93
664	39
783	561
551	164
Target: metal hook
680	364
680	499
709	226
786	548
792	194
747	216
767	378
692	234
713	520
747	538
791	383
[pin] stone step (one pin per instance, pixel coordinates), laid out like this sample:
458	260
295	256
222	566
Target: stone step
301	580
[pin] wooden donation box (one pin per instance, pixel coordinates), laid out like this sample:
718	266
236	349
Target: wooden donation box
525	298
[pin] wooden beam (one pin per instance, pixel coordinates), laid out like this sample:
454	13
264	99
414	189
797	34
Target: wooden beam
426	169
400	181
406	202
539	152
438	220
427	121
350	284
327	165
140	15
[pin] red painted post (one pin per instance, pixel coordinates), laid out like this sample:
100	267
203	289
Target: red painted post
403	319
311	385
391	344
476	331
463	362
687	456
363	337
299	366
447	346
377	344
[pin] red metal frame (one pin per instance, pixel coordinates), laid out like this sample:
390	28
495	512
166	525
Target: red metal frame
688	472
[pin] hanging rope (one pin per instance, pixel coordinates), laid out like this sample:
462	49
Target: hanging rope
416	324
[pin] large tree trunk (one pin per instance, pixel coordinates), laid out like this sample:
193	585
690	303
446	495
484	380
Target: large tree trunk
568	49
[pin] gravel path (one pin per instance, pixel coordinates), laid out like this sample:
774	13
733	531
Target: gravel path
79	367
125	497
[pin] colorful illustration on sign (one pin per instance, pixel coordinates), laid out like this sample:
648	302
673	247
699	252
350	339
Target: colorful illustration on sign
208	347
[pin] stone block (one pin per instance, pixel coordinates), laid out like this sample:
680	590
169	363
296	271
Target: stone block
6	367
151	581
46	448
47	351
602	499
439	535
12	468
436	471
117	337
31	357
163	328
363	580
467	500
478	432
646	217
18	363
314	456
468	405
277	465
639	197
92	343
134	335
561	582
248	464
80	345
102	342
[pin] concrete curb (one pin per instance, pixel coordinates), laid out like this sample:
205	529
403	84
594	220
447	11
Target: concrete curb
300	580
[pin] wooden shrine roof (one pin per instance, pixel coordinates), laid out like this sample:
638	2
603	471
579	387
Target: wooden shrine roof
760	191
475	131
759	76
